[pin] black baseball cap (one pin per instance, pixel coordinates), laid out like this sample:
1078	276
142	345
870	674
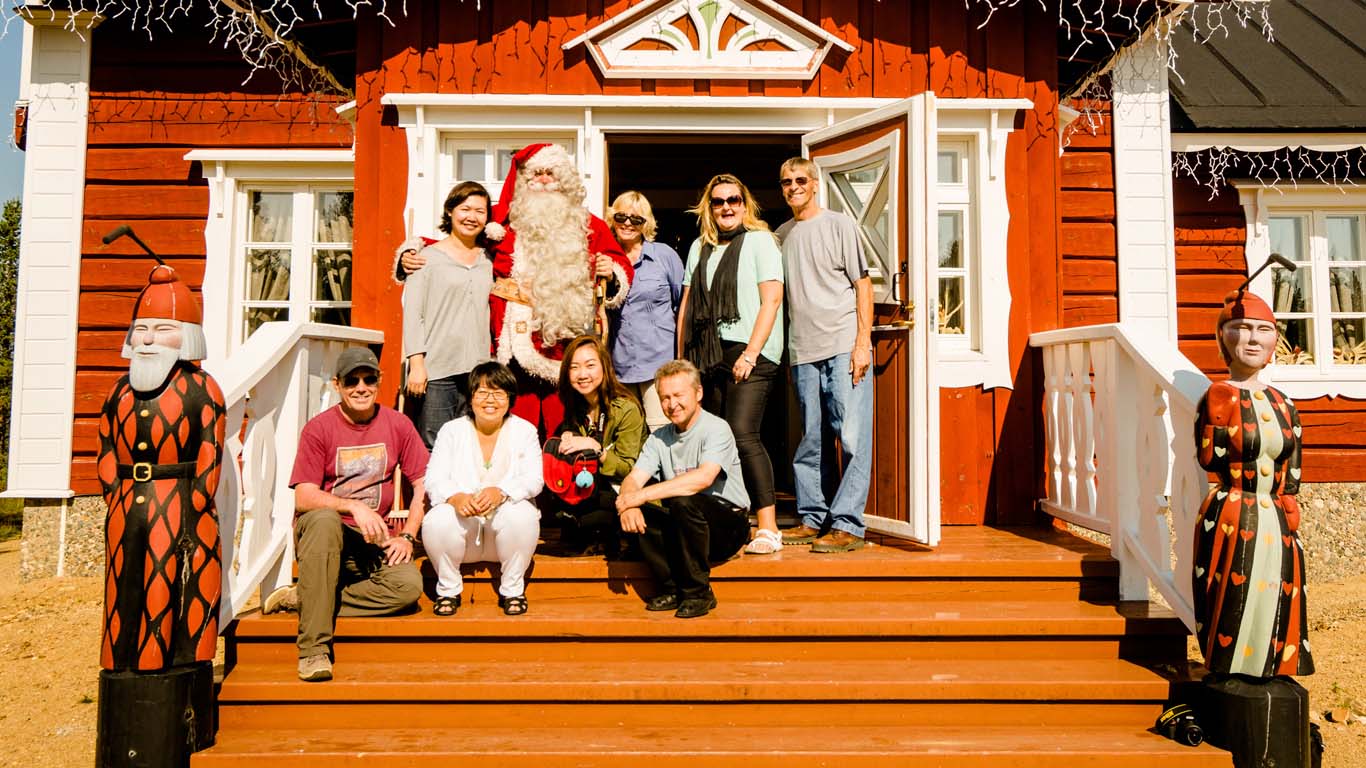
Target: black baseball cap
355	358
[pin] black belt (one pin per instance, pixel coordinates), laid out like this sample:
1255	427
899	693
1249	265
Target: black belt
143	471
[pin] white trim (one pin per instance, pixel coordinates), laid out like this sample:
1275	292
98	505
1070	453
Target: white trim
888	146
805	44
602	101
1144	219
225	170
1323	378
56	65
1268	142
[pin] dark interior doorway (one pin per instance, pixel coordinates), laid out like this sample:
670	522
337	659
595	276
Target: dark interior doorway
671	170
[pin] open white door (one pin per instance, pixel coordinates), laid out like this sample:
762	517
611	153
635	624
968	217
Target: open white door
879	168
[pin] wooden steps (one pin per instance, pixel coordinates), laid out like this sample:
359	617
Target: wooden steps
999	647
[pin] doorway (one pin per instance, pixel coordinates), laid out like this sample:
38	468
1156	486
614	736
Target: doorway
671	170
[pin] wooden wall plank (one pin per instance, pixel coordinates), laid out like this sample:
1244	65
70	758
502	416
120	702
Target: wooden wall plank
1227	259
99	272
961	472
1089	310
168	237
146	201
900	68
1088	170
1084	205
151	118
569	71
1090	276
1087	239
142	164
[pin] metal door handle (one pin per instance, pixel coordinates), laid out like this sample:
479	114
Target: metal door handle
899	325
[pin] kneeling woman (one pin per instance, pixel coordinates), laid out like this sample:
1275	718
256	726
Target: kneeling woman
484	472
602	416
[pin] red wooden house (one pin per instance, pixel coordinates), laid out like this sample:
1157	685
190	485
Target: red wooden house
938	125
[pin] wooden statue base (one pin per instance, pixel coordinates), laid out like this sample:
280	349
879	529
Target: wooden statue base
155	719
1263	722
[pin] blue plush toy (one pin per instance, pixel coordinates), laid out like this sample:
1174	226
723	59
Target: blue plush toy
584	479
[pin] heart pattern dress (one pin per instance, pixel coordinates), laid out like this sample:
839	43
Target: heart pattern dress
1248	574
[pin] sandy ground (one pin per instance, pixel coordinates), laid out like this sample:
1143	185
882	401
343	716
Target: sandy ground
49	651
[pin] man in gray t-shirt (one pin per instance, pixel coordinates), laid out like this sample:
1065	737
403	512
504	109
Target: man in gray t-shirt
830	323
696	511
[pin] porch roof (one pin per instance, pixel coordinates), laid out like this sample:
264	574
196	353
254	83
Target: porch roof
1309	78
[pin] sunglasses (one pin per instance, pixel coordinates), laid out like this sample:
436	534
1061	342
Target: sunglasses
369	379
733	200
622	218
800	181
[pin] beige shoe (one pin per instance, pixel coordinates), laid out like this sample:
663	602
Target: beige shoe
315	669
282	599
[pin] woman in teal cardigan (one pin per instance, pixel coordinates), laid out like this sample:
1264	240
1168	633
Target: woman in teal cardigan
601	415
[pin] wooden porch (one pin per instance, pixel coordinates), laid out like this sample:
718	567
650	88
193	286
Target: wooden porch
1000	647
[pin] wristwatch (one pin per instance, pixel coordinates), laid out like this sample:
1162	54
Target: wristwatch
745	356
408	536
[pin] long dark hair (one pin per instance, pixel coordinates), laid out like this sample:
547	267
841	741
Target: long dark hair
575	404
459	194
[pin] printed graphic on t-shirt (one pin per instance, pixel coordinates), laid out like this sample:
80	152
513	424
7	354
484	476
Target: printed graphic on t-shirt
360	473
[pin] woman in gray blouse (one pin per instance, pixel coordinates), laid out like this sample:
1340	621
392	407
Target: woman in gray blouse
446	310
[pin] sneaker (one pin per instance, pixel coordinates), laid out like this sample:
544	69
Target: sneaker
801	534
693	607
282	599
837	541
315	669
665	602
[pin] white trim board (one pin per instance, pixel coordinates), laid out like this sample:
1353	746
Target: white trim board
56	85
1268	142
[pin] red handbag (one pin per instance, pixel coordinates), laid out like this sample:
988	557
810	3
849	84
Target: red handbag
570	475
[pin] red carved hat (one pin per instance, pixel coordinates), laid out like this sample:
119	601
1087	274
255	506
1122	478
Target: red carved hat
167	298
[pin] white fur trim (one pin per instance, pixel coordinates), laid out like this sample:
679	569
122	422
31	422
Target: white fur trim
520	347
494	231
615	300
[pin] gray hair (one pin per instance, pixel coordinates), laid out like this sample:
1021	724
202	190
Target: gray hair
678	368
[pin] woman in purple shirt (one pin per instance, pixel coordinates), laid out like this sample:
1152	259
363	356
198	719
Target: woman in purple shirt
643	332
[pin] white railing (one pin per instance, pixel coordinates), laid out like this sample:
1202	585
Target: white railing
272	385
1120	421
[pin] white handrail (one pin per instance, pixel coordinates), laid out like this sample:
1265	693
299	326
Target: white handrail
272	385
1119	417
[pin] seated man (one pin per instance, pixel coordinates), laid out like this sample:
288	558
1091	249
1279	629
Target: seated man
343	482
704	516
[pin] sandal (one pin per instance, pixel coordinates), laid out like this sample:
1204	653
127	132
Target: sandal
765	542
513	606
446	606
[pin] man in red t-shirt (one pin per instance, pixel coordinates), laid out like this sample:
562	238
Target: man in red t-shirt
343	484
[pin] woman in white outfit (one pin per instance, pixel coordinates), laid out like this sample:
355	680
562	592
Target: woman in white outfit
484	472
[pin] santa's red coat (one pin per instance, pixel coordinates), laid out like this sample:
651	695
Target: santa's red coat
545	358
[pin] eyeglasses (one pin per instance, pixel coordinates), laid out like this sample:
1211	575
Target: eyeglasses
370	380
622	218
800	181
733	200
490	395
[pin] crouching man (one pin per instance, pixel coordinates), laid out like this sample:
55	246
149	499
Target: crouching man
702	511
350	562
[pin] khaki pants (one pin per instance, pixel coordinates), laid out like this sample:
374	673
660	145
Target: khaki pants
341	574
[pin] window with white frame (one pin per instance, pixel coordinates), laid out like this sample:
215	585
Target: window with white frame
958	322
295	255
862	190
485	159
1321	306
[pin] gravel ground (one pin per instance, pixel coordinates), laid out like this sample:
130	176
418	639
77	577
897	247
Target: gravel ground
49	650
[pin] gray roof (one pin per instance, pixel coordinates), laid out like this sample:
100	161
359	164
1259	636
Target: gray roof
1313	77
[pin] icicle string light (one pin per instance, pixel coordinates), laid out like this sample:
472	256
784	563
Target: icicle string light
1214	166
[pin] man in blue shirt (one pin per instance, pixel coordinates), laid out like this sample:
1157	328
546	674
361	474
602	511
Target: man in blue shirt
697	512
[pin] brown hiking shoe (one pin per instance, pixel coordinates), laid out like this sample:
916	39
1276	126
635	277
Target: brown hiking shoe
315	669
282	599
802	534
837	541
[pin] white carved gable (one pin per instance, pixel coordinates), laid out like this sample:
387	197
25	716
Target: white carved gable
709	39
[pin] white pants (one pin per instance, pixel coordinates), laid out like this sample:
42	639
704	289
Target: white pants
508	539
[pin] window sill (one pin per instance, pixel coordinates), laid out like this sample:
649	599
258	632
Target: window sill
1308	382
964	367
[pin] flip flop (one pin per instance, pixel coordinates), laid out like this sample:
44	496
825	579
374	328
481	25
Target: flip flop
765	542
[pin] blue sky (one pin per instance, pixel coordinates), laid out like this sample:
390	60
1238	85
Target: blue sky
11	159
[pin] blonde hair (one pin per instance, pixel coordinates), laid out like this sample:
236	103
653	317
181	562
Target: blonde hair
678	368
706	220
803	164
631	200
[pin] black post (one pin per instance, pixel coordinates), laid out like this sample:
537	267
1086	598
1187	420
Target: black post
155	719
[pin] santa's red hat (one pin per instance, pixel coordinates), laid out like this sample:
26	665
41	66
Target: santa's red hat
167	298
544	155
1244	305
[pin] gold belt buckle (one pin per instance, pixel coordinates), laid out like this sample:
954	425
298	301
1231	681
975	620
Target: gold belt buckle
519	326
142	471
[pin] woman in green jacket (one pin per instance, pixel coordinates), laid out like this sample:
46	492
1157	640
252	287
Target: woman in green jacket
601	415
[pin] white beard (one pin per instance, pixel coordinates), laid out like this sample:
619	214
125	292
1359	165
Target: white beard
550	261
147	372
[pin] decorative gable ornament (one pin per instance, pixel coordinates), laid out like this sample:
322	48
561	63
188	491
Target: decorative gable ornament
709	39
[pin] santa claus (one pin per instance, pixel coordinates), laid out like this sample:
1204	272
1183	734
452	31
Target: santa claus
556	267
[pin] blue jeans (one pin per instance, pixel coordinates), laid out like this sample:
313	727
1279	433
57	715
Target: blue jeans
444	401
832	406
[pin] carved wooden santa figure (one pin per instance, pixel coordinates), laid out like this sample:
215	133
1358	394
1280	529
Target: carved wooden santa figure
161	440
548	254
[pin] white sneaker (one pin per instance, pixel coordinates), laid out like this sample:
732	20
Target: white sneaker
315	669
282	599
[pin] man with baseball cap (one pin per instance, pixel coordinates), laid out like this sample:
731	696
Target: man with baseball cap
343	483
